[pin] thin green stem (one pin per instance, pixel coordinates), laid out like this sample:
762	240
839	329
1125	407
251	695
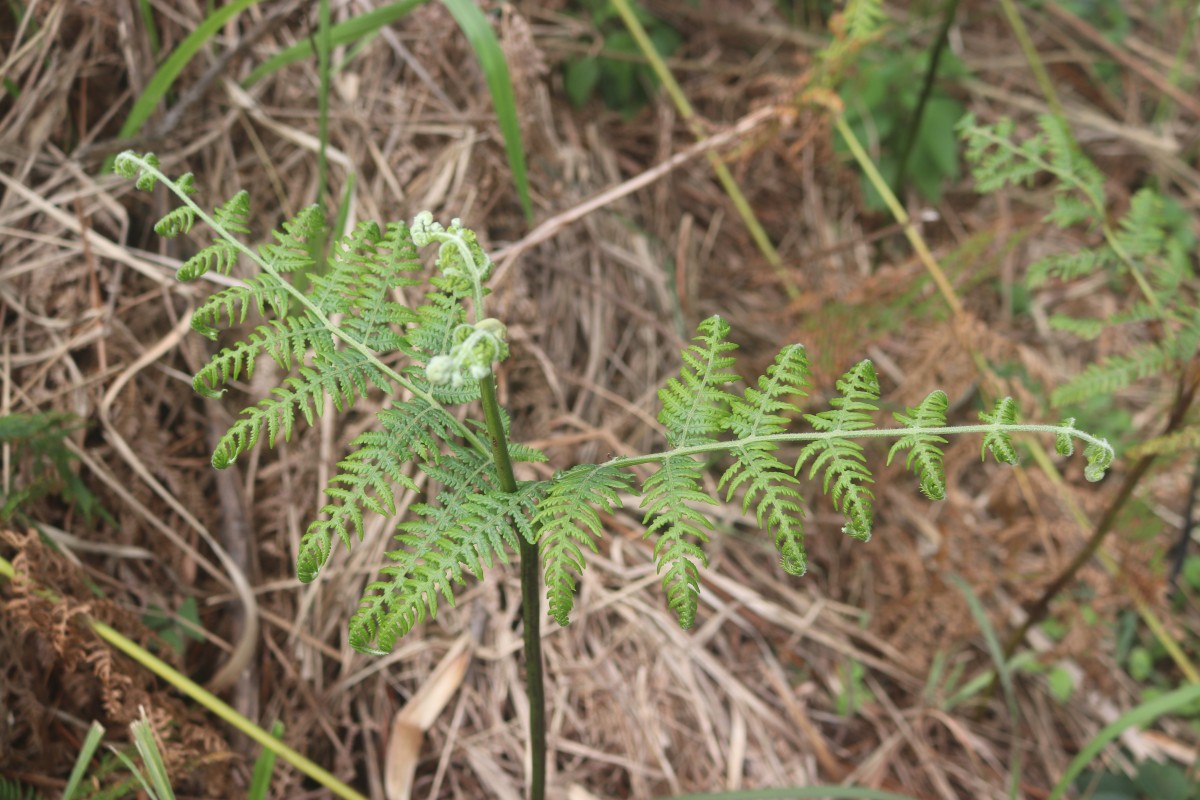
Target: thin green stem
1013	15
531	601
871	433
728	182
324	45
935	58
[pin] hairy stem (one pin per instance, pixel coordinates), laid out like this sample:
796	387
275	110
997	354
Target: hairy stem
531	601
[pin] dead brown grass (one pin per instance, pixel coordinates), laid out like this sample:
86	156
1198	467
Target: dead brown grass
93	323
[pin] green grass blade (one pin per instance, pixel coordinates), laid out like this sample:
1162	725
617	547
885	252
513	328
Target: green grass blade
264	766
1134	718
996	651
478	30
86	751
147	747
324	50
165	76
151	29
343	33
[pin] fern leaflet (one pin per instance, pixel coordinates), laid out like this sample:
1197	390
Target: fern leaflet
925	458
842	457
757	414
567	517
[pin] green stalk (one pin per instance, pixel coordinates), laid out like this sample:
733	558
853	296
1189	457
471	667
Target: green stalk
728	182
935	58
531	600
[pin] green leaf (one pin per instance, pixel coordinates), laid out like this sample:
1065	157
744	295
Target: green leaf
164	77
568	517
580	79
343	33
478	30
1061	684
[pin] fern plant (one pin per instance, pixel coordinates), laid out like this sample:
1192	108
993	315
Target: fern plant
1147	254
347	333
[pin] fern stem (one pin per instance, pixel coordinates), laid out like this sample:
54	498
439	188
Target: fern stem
869	433
531	603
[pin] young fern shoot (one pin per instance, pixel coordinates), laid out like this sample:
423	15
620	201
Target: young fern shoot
346	333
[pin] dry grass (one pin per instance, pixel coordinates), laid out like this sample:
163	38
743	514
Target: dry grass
599	301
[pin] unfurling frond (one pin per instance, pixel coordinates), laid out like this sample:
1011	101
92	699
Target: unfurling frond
841	457
569	516
924	449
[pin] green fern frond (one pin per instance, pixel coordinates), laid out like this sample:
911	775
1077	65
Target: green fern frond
367	478
176	222
1068	266
770	484
1086	328
412	430
925	454
219	256
285	341
695	408
1141	231
997	160
846	473
568	517
665	497
231	217
343	375
344	332
695	405
292	250
264	292
366	270
445	542
1170	444
998	440
863	18
1114	374
437	319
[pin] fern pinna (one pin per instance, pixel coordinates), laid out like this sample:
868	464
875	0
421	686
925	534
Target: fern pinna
346	333
1151	246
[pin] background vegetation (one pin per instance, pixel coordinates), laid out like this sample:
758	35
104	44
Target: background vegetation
1058	268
